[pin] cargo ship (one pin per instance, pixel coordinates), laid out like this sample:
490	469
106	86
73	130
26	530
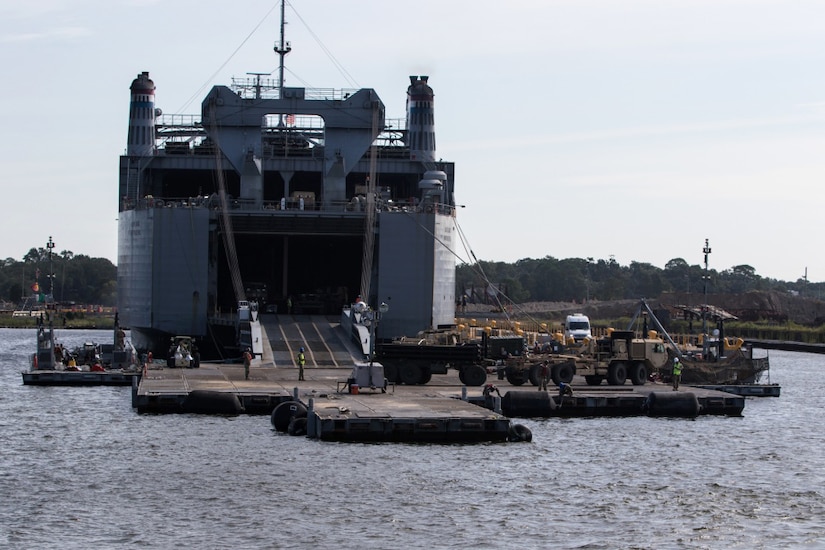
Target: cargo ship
298	201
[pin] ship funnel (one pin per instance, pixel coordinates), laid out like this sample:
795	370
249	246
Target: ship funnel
421	120
142	114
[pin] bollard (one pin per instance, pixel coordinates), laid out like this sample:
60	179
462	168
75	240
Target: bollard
464	393
295	393
311	418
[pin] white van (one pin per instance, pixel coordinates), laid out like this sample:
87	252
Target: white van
577	326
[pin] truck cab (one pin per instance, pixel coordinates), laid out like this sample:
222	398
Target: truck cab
577	327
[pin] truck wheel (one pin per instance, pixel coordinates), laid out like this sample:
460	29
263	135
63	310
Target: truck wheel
616	374
426	376
516	378
593	379
474	375
564	373
409	374
638	374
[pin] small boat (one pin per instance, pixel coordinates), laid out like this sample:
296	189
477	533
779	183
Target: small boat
88	365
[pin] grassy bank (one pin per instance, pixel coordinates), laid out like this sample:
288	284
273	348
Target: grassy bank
69	321
790	332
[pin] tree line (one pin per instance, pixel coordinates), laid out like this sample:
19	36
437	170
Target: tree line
583	279
65	276
85	280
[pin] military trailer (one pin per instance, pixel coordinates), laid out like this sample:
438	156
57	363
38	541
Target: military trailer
414	360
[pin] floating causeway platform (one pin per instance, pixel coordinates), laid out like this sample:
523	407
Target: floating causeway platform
400	413
433	412
215	389
399	418
646	400
79	378
747	390
326	406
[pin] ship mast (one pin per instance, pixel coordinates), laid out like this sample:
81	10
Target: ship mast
282	48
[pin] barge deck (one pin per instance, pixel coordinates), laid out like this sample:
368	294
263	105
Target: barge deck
79	378
168	390
444	410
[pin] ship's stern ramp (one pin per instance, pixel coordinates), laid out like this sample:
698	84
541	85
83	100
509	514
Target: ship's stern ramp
325	343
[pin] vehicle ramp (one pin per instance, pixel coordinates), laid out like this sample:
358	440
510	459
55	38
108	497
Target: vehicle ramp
324	341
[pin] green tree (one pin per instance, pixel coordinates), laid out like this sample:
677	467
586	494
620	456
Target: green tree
14	293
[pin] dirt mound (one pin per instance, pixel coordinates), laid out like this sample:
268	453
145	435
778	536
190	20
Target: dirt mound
759	306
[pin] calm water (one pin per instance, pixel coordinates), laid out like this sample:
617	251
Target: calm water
80	469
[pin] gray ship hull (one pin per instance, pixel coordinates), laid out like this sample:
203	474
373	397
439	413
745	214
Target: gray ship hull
293	232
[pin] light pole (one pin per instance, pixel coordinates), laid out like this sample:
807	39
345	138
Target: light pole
705	345
50	246
370	318
587	281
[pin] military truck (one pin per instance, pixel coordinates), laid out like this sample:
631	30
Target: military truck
618	357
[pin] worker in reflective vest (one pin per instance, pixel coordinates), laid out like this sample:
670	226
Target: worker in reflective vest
301	362
677	373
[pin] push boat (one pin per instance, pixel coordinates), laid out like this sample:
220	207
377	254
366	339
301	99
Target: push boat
114	364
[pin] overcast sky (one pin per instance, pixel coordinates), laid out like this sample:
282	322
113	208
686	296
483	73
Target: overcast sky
579	128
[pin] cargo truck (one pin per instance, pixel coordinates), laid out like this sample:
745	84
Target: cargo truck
618	357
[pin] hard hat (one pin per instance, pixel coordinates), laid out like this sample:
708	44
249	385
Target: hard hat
675	359
302	349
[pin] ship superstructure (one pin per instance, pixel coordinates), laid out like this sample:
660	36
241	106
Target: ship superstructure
279	194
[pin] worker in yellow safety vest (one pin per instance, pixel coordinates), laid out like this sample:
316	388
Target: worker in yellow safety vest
301	362
677	373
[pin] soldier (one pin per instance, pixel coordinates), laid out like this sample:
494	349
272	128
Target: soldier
301	362
544	376
247	360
